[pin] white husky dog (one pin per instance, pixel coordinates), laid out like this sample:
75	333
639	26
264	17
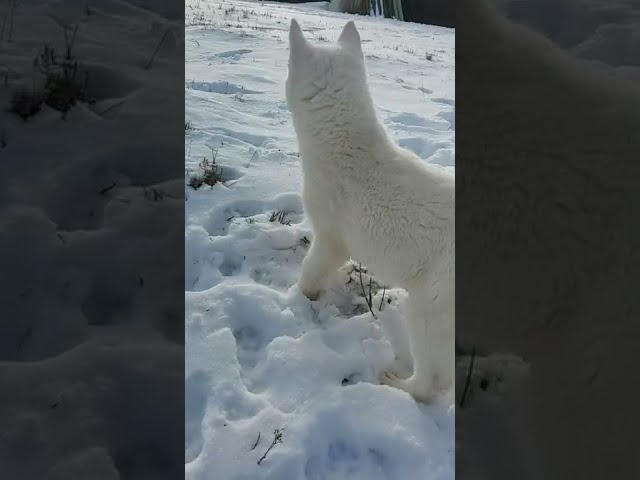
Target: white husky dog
372	201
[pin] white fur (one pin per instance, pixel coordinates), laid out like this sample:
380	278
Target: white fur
372	201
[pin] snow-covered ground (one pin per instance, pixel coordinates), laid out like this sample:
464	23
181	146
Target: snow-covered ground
259	356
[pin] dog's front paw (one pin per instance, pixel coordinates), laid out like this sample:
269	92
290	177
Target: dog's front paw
391	378
311	290
419	391
311	293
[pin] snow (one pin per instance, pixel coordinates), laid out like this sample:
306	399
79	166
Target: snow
260	356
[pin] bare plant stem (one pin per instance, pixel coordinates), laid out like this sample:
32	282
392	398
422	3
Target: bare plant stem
384	290
366	299
155	52
256	444
468	380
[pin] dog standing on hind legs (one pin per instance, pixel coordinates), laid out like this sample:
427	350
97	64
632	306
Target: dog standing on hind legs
373	201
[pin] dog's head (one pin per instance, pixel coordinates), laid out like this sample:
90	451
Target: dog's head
321	72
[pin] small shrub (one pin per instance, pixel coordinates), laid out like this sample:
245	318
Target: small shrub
212	173
277	438
361	277
26	103
280	217
63	90
65	82
196	182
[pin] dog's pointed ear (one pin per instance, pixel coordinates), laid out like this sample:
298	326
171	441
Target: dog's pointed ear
350	38
299	48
